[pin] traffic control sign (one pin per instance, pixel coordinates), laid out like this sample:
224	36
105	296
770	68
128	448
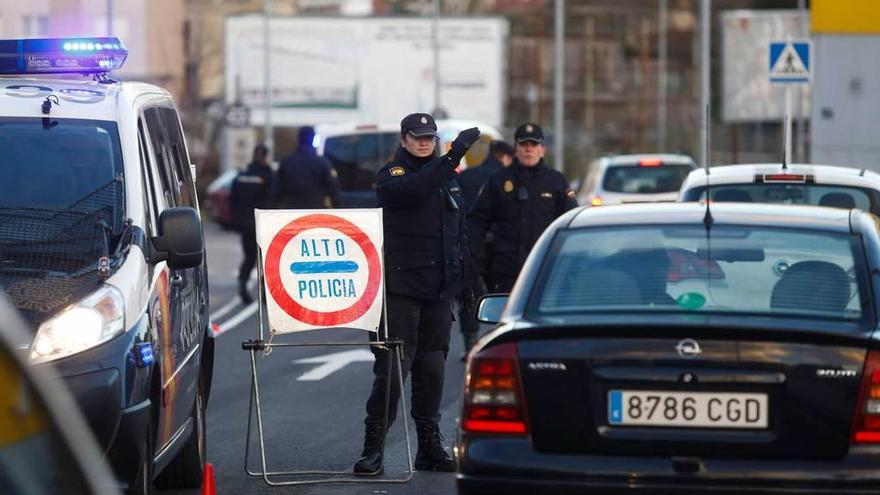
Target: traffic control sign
790	62
322	268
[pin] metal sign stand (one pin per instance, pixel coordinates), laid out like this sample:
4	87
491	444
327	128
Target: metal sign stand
335	477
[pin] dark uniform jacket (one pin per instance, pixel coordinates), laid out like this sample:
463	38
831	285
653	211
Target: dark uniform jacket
423	215
517	204
305	179
472	179
251	189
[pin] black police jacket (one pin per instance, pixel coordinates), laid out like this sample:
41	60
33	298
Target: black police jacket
517	204
251	189
424	220
305	179
473	179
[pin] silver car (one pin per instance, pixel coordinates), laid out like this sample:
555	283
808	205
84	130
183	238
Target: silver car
634	179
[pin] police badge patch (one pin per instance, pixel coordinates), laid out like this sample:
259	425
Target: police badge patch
397	171
508	186
569	193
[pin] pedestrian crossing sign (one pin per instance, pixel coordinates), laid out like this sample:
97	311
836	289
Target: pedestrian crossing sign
790	62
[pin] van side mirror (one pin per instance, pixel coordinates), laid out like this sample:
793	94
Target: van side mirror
180	241
490	308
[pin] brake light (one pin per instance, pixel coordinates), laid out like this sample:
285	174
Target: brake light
650	162
866	421
596	201
685	265
366	127
493	396
785	178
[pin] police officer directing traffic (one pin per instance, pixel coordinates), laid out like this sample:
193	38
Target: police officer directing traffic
425	246
251	189
517	204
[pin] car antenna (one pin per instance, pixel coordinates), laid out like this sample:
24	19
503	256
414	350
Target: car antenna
784	141
707	218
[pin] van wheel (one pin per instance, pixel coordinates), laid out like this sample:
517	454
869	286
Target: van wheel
143	483
185	470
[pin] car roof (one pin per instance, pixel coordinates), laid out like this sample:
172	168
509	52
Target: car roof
823	174
693	213
95	100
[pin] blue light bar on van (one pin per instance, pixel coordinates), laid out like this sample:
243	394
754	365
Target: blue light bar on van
61	55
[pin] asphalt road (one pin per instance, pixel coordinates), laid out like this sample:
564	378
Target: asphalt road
308	424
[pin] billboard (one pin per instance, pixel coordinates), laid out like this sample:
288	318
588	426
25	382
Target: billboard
747	94
370	69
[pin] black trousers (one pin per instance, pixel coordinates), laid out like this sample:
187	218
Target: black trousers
424	327
249	246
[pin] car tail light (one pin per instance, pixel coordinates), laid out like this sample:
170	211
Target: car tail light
596	201
650	162
866	421
685	265
770	178
493	395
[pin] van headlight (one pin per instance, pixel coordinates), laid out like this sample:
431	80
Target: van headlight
88	323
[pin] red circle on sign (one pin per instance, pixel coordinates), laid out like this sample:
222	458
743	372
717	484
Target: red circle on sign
297	310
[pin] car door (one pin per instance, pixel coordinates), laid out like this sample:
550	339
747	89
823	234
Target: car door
179	333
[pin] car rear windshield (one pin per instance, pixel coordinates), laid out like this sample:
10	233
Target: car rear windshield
742	270
638	179
796	194
358	157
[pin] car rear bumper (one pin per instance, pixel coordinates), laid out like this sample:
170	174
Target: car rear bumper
511	466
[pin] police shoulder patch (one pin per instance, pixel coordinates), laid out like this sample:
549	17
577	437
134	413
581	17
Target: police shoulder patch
397	171
569	193
508	186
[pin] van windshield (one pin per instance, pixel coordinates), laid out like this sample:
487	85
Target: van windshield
358	157
61	209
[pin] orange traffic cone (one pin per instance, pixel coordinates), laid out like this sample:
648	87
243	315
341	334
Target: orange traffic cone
208	480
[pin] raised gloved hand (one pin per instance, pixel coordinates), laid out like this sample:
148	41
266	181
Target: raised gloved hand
462	143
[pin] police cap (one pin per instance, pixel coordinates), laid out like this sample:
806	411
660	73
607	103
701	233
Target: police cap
418	125
529	132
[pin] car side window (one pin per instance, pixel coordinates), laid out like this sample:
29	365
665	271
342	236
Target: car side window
178	158
149	192
162	151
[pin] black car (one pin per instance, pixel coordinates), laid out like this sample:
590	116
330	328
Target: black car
670	348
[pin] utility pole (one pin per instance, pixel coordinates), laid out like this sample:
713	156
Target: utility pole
663	25
435	45
559	88
109	17
705	42
802	91
269	140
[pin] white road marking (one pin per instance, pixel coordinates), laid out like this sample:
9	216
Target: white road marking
229	306
331	363
237	319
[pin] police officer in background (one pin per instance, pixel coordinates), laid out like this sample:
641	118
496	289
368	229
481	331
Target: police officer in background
306	180
425	247
251	189
517	204
472	180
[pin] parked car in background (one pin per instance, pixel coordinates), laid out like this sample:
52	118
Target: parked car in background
217	199
634	179
797	184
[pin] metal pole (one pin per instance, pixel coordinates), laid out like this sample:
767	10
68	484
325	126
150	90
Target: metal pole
109	17
802	91
663	24
559	88
705	41
435	48
269	140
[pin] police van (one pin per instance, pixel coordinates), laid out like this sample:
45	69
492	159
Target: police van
103	251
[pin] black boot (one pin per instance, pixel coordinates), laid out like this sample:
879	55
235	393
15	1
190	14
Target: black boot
243	292
432	456
370	461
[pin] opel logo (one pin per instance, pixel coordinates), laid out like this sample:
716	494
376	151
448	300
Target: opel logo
688	348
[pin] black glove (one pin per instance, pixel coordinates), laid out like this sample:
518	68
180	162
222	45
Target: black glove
462	143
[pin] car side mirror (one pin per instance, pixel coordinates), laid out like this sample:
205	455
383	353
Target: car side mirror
180	241
490	307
